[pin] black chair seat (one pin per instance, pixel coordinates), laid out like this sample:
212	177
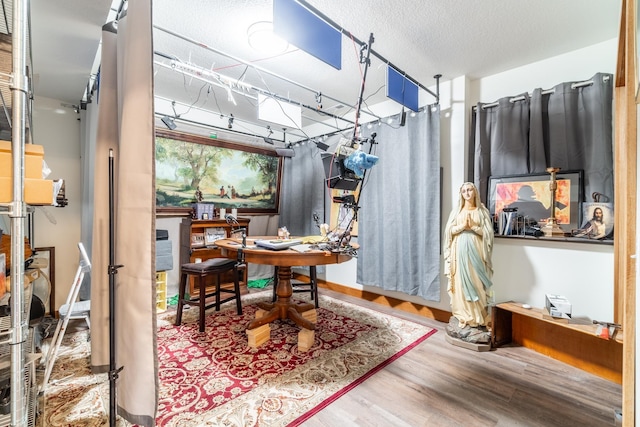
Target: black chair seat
200	271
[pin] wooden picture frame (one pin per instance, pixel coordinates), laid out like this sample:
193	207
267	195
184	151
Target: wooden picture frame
228	174
503	192
48	273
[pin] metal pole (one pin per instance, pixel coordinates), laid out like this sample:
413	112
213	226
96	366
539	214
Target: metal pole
19	89
113	270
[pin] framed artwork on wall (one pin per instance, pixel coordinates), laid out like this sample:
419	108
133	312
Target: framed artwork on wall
229	175
529	196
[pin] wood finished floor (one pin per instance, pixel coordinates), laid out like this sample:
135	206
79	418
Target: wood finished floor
437	384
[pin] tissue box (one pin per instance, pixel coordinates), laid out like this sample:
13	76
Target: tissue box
558	306
33	160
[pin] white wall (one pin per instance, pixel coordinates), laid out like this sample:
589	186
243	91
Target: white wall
524	270
57	129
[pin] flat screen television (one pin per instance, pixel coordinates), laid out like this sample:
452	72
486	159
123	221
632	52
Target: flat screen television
337	175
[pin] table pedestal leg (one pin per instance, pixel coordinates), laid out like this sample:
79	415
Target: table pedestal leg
284	307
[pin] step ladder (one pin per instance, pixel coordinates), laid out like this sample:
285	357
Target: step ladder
72	309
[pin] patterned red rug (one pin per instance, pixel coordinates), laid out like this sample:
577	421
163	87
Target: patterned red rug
214	378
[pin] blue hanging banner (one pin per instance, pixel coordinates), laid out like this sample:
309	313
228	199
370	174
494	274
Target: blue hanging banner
401	89
303	29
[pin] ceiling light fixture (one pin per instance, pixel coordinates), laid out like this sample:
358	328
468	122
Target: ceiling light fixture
261	37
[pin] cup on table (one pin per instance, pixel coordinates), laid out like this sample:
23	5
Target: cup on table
223	212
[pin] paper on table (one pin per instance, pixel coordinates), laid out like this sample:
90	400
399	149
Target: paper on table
301	248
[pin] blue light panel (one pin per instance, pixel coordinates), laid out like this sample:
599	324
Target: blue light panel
401	89
300	27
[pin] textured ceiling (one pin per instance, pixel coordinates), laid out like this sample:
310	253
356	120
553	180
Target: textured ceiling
420	37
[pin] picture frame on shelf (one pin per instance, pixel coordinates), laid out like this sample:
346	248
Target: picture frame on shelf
47	273
597	221
197	240
211	234
530	195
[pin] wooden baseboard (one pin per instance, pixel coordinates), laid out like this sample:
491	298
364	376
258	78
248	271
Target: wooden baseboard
406	306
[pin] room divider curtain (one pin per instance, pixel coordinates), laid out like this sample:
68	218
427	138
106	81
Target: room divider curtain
302	191
569	126
125	125
399	221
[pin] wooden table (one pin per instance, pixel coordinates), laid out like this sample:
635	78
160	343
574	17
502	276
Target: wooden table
303	314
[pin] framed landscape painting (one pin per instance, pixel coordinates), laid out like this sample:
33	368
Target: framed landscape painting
192	168
531	196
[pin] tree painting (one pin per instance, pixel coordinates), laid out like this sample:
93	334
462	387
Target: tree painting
228	175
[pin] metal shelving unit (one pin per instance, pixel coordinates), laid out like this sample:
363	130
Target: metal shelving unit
15	116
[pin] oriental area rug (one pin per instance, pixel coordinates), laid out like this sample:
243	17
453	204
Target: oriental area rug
214	378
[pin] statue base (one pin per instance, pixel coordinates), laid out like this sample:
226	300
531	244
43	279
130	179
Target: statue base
468	345
472	338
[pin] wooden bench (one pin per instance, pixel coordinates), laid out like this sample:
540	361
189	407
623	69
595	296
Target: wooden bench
574	342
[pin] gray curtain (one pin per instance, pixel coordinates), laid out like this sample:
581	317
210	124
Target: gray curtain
302	191
125	125
574	124
501	140
89	123
399	221
569	127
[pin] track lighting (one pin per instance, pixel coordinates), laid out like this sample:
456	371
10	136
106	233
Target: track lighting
169	122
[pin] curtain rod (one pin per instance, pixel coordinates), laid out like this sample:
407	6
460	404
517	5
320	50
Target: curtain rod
544	92
373	52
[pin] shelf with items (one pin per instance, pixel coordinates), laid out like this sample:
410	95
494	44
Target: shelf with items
197	242
161	291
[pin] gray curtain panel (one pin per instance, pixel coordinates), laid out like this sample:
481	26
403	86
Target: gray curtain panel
574	124
126	125
399	221
569	127
302	191
501	140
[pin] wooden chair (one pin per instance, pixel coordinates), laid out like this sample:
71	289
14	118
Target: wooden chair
202	270
299	286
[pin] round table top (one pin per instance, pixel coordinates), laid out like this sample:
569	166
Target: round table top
284	257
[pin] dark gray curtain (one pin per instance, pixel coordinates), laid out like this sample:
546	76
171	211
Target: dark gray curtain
569	127
574	124
399	220
501	140
302	191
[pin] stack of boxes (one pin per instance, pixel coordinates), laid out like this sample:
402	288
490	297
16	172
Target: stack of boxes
164	262
37	191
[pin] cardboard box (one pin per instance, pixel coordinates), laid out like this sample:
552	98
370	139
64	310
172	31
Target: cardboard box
33	160
558	306
36	191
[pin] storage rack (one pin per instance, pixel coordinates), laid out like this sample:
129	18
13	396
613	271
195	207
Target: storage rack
16	111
